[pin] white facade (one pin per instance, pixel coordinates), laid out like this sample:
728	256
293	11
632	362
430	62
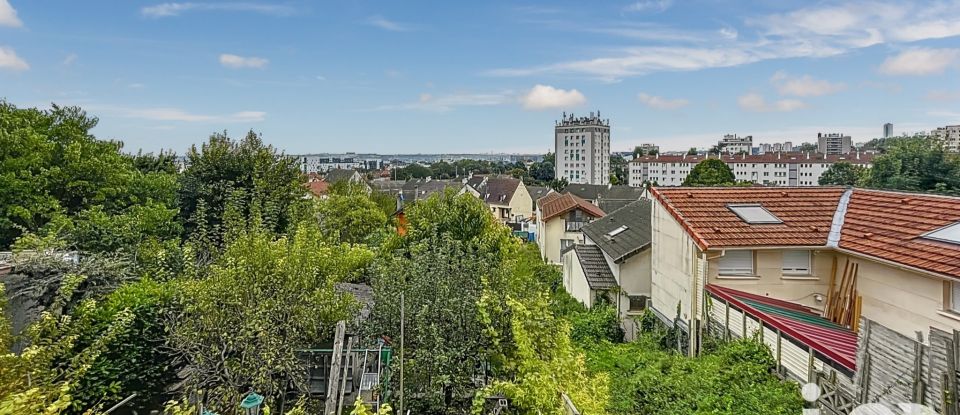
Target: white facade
733	144
834	143
950	135
774	169
887	130
323	164
582	149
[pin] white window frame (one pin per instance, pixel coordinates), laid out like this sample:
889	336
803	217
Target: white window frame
794	269
738	270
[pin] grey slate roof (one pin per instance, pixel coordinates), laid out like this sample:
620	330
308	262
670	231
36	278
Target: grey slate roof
337	175
595	268
636	217
610	205
387	185
602	191
537	192
422	189
498	190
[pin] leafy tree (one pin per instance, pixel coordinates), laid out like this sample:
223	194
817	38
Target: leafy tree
710	172
413	171
350	215
619	169
263	299
812	147
915	163
246	177
162	162
463	217
843	174
542	172
442	170
559	184
692	151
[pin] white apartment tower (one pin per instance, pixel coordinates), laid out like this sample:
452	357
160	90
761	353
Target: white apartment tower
834	143
950	136
733	144
582	149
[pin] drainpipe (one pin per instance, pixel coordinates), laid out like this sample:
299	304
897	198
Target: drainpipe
699	308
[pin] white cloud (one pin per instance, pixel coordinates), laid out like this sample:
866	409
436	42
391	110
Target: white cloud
542	97
445	103
385	24
649	6
236	61
69	59
812	32
661	103
941	96
177	114
10	60
757	103
804	86
8	15
175	9
920	61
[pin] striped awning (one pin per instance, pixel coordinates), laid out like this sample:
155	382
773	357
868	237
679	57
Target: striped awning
831	340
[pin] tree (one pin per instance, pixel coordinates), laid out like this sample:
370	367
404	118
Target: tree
916	163
842	174
350	215
558	184
542	172
710	172
692	151
807	147
619	168
256	181
413	171
263	299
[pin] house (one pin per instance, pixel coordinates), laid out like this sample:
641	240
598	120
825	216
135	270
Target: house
348	175
615	253
607	197
419	189
536	192
776	261
560	218
507	197
317	188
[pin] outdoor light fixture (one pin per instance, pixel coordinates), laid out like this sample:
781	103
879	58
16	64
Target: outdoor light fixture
251	403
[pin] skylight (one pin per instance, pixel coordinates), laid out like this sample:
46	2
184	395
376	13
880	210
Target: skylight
754	214
949	234
617	231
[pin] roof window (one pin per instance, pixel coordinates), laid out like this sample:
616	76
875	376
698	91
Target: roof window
754	214
615	232
949	234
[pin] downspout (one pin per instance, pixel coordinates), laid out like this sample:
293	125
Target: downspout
700	307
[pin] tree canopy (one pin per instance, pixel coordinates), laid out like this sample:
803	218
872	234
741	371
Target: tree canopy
915	163
842	173
710	172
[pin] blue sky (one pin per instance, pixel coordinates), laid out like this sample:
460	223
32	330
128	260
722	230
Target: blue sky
489	76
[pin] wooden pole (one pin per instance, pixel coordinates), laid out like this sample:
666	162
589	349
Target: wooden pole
346	370
833	280
333	380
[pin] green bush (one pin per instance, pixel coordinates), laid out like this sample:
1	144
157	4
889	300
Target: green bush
596	324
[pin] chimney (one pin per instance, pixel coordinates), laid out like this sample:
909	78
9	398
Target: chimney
778	155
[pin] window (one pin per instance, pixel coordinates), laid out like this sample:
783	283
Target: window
575	220
796	263
617	231
955	297
754	214
949	234
564	243
736	263
638	302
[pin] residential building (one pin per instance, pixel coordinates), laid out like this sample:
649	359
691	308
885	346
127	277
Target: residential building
771	169
560	218
646	148
613	260
785	147
950	135
507	197
416	189
336	175
834	143
607	197
769	261
887	130
536	192
734	144
582	149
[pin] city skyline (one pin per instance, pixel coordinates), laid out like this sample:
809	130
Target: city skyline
484	78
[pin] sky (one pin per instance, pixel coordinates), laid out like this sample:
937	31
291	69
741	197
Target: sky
485	76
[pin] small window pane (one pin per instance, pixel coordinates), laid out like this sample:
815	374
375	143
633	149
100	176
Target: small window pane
796	262
754	214
736	263
949	234
955	297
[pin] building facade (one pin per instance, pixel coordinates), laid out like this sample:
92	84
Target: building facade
582	149
772	169
834	143
950	135
887	130
734	144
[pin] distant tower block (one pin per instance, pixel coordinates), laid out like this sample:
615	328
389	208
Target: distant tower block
582	149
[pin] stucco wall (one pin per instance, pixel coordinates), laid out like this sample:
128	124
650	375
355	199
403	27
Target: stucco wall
521	203
672	258
574	280
553	231
770	281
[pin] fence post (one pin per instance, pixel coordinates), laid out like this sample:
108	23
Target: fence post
811	375
918	385
743	313
779	351
951	386
726	323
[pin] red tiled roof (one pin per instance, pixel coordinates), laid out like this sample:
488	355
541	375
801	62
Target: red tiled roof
553	206
806	212
831	340
889	225
785	158
318	187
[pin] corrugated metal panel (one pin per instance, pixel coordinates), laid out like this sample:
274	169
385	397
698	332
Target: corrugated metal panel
736	322
794	359
718	311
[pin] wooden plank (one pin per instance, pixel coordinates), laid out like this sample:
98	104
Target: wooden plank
833	280
346	370
333	381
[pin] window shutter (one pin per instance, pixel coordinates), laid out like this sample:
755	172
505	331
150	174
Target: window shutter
796	262
955	297
736	263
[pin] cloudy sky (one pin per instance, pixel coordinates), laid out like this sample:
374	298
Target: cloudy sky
487	76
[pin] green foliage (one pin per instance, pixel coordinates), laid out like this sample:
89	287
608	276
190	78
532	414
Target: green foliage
601	322
463	216
260	301
618	169
916	163
735	379
842	174
710	172
350	215
359	408
237	180
162	162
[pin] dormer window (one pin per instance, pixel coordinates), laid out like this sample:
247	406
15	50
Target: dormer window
949	234
754	214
